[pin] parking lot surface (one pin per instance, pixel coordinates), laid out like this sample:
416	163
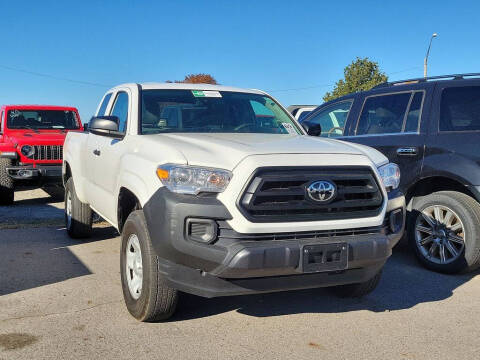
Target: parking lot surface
62	299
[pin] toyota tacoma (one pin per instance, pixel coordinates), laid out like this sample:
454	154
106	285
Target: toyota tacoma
218	191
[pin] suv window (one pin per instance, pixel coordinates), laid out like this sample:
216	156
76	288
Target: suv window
383	114
414	113
120	109
460	109
332	118
103	107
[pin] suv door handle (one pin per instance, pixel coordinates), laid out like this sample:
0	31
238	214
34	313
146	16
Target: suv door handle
96	152
407	151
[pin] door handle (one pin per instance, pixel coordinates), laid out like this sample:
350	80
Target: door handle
407	151
96	152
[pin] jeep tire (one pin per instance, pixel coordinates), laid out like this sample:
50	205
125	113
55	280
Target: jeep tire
147	295
6	183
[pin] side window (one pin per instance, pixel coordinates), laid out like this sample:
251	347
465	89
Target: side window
460	109
414	112
332	119
103	107
120	109
383	114
2	122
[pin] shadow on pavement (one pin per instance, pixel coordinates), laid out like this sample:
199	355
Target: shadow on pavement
33	257
404	284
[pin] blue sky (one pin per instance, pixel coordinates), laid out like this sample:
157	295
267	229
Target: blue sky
270	45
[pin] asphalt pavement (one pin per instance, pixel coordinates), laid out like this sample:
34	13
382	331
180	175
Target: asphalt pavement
61	299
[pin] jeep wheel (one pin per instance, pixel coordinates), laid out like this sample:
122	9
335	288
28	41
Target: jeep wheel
444	231
147	295
6	183
358	290
78	216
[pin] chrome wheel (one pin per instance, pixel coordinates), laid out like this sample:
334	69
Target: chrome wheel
440	234
133	266
68	209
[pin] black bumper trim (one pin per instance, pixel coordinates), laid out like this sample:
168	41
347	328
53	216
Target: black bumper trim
49	171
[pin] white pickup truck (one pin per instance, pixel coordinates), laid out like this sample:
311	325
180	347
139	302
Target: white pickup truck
219	191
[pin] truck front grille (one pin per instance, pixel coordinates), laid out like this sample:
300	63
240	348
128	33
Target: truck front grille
48	152
279	194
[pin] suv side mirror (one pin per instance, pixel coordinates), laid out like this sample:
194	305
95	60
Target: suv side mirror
105	126
311	128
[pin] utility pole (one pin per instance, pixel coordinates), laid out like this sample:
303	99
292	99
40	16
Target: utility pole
434	35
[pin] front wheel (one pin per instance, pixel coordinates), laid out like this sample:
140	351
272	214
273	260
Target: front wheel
6	183
358	290
147	295
444	231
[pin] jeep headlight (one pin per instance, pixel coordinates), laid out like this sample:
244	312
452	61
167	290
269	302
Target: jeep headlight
28	150
390	174
187	179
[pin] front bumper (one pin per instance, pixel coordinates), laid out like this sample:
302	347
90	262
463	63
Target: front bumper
40	172
235	264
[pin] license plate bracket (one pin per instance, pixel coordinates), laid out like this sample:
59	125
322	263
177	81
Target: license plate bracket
324	257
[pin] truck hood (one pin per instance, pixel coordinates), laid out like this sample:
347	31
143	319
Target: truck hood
36	138
227	150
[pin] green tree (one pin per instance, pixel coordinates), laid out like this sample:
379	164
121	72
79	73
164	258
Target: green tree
360	75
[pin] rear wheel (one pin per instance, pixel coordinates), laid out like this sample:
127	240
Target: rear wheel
147	295
358	290
444	231
6	183
78	216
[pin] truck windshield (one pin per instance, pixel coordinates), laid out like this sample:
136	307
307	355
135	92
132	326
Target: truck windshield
42	119
212	111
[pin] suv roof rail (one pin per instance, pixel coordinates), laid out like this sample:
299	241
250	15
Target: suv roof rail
423	79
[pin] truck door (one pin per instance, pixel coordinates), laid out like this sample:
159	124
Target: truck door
109	154
391	123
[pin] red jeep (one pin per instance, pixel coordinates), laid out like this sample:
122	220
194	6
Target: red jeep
31	145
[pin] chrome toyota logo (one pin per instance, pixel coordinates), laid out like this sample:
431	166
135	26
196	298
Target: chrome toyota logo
321	191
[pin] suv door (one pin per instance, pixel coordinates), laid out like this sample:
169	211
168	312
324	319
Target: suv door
391	123
455	131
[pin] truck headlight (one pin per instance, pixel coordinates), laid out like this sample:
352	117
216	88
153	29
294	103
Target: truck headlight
187	179
28	150
390	174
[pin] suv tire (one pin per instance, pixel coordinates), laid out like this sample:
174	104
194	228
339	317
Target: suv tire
78	216
146	292
440	221
358	290
6	183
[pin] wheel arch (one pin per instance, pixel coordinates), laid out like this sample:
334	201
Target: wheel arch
127	203
431	184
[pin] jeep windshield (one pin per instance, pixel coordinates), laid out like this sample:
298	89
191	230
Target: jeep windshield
192	111
42	119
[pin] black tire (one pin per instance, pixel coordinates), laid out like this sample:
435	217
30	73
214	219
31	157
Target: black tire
468	211
358	290
157	301
7	188
80	224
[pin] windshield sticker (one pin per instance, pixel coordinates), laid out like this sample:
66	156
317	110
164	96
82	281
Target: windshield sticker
206	93
289	127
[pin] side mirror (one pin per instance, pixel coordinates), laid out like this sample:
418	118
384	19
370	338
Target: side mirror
311	128
105	126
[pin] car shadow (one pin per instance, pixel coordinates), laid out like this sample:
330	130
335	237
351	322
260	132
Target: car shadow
35	257
404	284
